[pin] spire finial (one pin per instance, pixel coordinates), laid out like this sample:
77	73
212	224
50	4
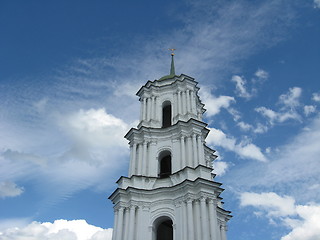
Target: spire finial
172	70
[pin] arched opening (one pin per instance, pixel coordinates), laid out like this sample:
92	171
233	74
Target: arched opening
165	164
165	230
166	114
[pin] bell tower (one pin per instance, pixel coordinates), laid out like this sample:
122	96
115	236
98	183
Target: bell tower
170	192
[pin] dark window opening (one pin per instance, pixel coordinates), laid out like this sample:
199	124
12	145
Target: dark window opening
166	116
165	230
165	167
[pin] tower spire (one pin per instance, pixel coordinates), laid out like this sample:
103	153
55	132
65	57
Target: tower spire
172	70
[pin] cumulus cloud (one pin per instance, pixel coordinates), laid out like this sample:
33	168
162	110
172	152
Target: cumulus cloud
261	74
59	229
289	103
9	189
316	96
316	3
241	87
291	98
220	167
297	159
303	220
217	137
308	109
214	104
274	204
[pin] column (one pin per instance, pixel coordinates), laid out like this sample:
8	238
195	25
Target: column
223	231
201	151
188	101
141	109
213	220
189	151
133	159
144	159
132	222
190	220
148	109
126	225
183	152
156	109
130	161
195	150
183	101
153	167
114	232
144	115
174	106
184	221
197	220
193	103
120	224
204	219
179	103
140	150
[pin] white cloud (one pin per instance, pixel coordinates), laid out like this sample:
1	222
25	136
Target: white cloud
289	103
303	220
274	204
245	150
316	96
240	87
9	189
297	159
316	3
262	74
308	226
95	127
308	109
214	104
291	99
244	126
58	230
220	167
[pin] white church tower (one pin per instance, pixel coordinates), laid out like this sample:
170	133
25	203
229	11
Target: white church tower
169	193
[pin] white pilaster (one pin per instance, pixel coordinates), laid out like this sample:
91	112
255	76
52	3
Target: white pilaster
183	152
193	103
179	103
189	151
149	105
139	158
223	232
204	219
144	158
201	151
120	224
213	220
133	159
184	102
132	222
184	220
115	223
195	150
144	115
188	101
126	225
190	220
197	219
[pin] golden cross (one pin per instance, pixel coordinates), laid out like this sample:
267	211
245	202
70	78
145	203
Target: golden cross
172	51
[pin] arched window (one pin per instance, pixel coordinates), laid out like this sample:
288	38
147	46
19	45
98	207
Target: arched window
165	164
165	230
166	114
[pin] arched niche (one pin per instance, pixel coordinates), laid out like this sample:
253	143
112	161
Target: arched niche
166	114
163	227
165	166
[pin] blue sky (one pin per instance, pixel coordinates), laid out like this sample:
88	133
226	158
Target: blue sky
69	71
